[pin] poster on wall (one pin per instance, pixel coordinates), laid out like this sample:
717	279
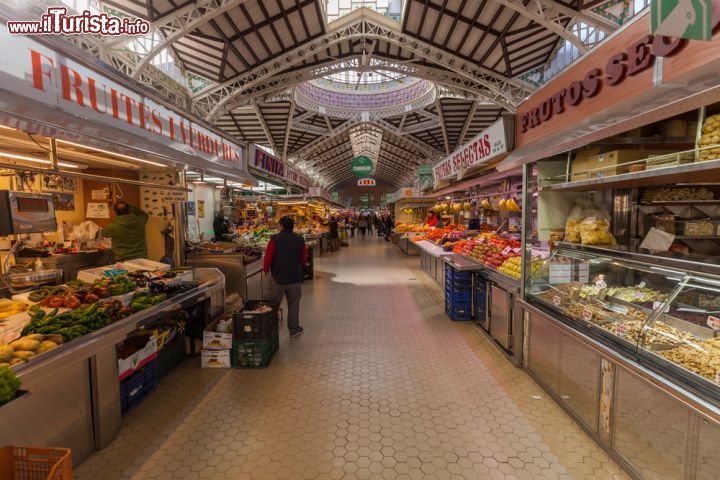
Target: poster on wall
201	209
154	200
101	194
190	208
97	210
59	183
64	202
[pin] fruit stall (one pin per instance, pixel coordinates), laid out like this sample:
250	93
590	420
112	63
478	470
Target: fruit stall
96	348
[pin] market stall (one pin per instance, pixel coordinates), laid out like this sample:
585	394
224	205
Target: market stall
620	312
71	353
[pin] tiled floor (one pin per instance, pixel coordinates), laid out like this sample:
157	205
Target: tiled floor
381	386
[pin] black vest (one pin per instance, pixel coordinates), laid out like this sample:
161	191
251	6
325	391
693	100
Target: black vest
287	264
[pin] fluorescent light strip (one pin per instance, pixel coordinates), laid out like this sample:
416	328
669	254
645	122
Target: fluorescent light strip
37	160
95	149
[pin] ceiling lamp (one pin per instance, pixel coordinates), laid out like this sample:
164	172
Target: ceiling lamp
44	161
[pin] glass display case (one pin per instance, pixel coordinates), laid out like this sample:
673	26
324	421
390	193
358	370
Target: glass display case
667	317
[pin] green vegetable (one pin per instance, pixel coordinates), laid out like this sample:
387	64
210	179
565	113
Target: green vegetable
9	384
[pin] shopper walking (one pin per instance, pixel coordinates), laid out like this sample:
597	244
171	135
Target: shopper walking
369	222
389	225
379	225
285	257
362	224
334	235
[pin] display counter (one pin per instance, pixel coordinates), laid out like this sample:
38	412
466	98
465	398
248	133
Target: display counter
431	260
407	246
72	263
244	279
73	397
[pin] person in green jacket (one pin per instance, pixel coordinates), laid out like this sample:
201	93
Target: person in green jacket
127	232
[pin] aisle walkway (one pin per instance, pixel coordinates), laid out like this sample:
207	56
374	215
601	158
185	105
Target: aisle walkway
381	386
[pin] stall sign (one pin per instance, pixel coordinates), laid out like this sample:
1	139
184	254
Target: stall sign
638	57
97	210
102	194
33	70
262	161
487	145
407	192
173	196
425	177
361	166
366	182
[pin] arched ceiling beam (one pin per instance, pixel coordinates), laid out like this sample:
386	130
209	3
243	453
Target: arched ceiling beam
175	26
370	25
555	17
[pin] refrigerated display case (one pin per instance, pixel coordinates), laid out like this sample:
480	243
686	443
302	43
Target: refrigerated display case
665	316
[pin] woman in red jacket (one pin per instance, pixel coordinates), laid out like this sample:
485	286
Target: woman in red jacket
431	219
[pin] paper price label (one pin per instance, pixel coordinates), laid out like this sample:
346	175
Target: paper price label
506	250
621	329
657	305
587	314
517	250
556	300
714	323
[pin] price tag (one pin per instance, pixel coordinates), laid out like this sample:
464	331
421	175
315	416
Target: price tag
620	328
714	323
556	300
638	295
601	283
507	250
641	285
657	305
587	314
517	250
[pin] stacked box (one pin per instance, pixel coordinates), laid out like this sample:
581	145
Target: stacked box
216	347
256	336
458	294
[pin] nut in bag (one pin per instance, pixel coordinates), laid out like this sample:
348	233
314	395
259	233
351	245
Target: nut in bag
595	230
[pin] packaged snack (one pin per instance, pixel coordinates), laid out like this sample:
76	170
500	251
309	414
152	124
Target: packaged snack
595	230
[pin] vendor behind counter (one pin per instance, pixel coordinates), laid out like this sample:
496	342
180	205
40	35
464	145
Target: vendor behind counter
127	232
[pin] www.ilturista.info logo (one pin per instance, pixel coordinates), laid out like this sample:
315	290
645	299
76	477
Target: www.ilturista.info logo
56	21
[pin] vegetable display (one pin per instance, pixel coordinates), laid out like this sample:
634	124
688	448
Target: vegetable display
172	289
9	384
143	300
75	323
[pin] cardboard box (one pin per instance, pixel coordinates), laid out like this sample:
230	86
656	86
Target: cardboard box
674	128
213	340
580	163
137	360
608	164
215	359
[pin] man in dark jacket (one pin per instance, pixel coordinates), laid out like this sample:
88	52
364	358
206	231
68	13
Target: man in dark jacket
389	225
285	256
127	232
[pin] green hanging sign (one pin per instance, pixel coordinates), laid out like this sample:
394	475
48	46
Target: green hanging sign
362	166
691	19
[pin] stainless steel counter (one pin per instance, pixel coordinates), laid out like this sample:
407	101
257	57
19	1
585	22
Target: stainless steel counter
652	426
74	390
245	280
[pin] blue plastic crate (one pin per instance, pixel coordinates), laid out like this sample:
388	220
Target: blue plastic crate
135	388
459	286
458	297
450	272
458	313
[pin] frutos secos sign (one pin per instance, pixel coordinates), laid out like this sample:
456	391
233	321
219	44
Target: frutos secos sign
490	143
637	58
366	182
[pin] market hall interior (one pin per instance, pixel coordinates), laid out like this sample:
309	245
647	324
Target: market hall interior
381	385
